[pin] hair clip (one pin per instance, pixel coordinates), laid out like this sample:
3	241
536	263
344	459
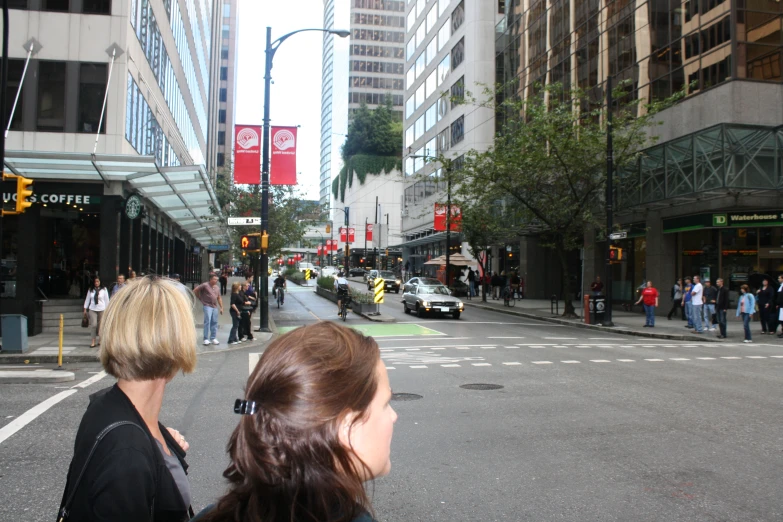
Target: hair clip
245	407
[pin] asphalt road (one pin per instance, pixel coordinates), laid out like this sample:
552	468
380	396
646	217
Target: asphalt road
585	426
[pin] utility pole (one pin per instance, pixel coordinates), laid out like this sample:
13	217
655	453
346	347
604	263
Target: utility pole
447	170
3	108
365	241
609	196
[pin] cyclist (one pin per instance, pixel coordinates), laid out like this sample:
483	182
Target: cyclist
342	289
280	286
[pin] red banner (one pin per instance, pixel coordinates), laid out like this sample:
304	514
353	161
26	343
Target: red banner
343	234
440	218
283	169
333	245
319	250
351	235
368	232
247	154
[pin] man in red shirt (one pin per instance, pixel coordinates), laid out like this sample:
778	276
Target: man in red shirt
650	299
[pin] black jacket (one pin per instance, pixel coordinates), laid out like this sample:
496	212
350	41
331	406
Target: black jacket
722	301
766	296
778	296
119	483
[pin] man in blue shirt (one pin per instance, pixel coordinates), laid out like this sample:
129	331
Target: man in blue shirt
118	285
686	301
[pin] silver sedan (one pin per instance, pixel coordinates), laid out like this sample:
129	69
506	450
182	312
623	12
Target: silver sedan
431	299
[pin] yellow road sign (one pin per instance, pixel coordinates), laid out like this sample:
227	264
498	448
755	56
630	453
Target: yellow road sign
379	290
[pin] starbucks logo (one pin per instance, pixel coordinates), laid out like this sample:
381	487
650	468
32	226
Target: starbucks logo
133	207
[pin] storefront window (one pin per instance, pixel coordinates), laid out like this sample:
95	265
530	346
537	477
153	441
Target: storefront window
700	254
739	252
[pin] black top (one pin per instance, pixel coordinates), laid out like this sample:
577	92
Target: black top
127	475
238	301
778	296
710	294
766	296
280	281
722	299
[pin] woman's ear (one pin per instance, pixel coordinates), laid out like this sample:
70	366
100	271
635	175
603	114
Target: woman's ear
344	428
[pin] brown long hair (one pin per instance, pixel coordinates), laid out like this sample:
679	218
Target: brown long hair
287	462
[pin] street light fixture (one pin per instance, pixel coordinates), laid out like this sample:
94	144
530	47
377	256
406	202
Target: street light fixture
271	49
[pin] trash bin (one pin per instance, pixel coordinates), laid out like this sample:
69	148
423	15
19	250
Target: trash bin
597	308
14	333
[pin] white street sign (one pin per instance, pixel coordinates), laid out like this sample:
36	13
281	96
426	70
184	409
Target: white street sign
244	221
618	235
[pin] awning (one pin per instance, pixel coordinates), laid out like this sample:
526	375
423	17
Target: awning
183	193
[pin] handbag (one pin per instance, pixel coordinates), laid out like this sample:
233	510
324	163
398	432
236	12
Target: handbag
85	321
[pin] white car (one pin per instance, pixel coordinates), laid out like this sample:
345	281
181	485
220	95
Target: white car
329	271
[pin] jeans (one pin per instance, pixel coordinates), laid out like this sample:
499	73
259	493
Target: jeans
746	325
696	308
721	316
709	309
689	312
649	312
210	323
472	288
232	337
677	303
765	318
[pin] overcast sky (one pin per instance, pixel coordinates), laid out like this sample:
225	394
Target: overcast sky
296	76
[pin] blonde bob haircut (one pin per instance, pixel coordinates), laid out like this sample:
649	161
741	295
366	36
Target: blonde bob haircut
148	331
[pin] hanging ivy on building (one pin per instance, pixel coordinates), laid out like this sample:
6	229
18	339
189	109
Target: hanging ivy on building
336	187
361	165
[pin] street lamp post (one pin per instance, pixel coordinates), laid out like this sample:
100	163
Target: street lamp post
271	48
609	195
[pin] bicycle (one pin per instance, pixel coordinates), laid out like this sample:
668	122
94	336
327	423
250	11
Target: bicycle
508	296
345	301
279	295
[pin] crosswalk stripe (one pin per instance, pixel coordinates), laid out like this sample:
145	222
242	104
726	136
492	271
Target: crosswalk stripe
542	362
678	359
599	360
512	363
706	358
731	357
755	357
571	362
654	360
451	365
419	366
626	360
481	364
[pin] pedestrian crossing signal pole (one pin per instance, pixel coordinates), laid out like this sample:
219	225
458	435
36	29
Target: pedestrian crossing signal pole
380	284
609	195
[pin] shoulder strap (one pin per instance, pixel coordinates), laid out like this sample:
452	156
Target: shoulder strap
65	509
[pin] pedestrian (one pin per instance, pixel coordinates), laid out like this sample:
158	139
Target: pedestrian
687	302
779	304
710	296
515	284
471	283
127	466
118	285
697	304
315	425
406	275
236	304
497	284
765	297
250	293
244	318
676	300
597	287
132	275
209	295
745	309
650	299
721	307
223	282
94	305
486	282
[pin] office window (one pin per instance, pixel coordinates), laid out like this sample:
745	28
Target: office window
224	73
409	136
221	137
411	48
444	34
431	148
432	49
443	107
418	128
420	4
410	106
457	92
15	68
411	20
92	88
226	10
96	6
55	5
457	17
410	77
222	116
223	94
443	141
226	30
457	130
421	34
224	54
420	96
221	159
443	68
442	6
458	54
432	18
431	84
51	96
431	117
420	64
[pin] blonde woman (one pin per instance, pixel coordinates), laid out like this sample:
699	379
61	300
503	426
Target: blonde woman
128	467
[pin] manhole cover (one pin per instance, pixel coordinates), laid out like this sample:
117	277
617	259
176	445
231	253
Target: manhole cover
481	386
406	397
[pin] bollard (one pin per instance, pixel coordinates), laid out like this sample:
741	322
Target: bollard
60	345
554	305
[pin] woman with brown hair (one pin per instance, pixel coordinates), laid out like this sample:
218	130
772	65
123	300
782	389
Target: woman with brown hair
316	424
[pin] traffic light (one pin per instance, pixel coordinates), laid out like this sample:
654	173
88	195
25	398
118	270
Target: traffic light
615	254
250	242
328	228
24	190
264	241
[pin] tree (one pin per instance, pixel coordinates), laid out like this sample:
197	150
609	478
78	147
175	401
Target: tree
547	166
373	133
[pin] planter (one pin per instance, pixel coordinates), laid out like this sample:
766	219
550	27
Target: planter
326	294
366	309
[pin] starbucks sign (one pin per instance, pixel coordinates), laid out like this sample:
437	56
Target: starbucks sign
133	206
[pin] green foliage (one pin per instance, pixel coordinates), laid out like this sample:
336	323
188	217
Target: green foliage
297	277
326	282
362	297
373	132
290	271
336	187
545	173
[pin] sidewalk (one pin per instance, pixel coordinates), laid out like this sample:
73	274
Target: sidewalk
626	323
76	347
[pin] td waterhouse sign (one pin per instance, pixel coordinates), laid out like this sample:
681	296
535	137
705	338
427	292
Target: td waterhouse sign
759	218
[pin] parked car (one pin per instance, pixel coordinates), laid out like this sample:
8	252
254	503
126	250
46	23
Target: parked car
431	299
390	279
357	272
329	271
415	281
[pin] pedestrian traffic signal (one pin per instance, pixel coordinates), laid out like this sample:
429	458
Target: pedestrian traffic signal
264	241
329	228
250	242
615	254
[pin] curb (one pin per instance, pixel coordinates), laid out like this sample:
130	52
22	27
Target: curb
598	328
378	318
35	376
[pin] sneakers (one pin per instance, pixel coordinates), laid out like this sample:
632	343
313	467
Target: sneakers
241	341
713	329
206	341
234	342
215	341
747	341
